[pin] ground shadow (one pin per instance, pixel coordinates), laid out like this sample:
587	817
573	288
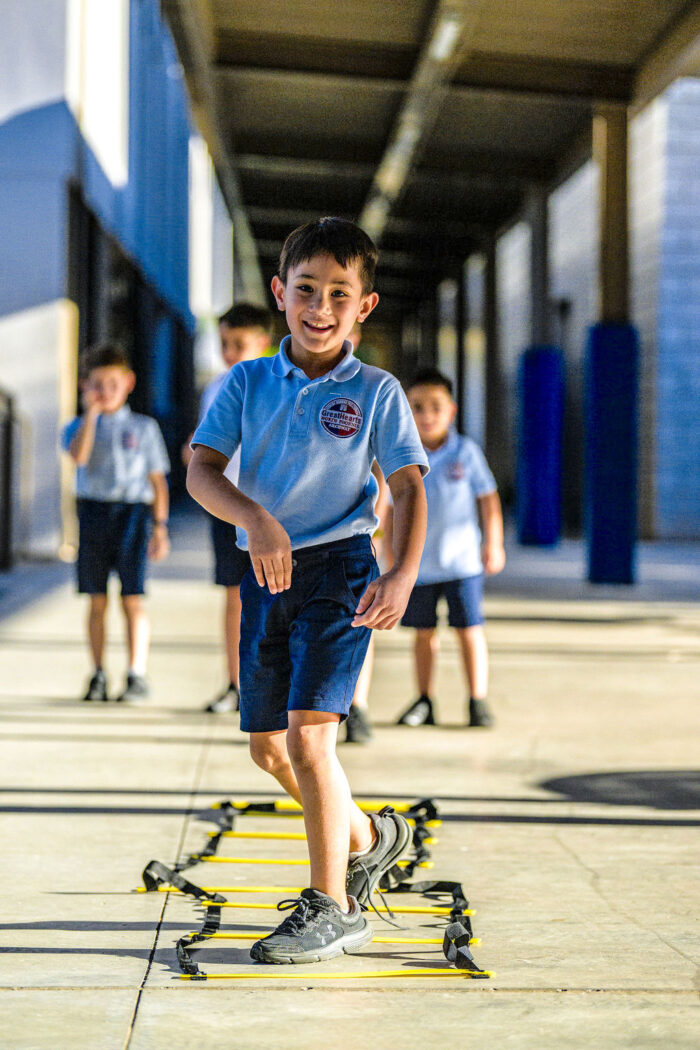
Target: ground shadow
676	789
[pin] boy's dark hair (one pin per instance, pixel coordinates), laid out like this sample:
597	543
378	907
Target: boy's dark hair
248	315
342	239
431	377
103	355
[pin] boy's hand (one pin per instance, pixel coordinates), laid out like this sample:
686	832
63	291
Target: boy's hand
384	602
159	543
92	399
270	552
493	558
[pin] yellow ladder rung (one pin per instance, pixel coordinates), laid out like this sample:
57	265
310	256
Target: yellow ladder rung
310	976
407	910
287	835
376	940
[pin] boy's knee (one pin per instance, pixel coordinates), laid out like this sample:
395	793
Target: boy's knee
305	746
267	754
132	602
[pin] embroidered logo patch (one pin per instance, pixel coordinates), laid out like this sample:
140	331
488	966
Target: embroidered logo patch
455	471
341	417
128	440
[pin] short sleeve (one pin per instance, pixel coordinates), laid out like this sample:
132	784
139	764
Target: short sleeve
69	431
220	428
156	452
395	440
482	480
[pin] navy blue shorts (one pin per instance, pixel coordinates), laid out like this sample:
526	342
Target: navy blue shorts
463	603
230	562
113	537
298	650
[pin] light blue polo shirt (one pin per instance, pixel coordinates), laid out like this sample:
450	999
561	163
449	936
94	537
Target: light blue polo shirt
458	475
208	394
128	447
307	445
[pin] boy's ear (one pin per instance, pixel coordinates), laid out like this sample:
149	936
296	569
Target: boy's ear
278	291
368	304
130	381
453	411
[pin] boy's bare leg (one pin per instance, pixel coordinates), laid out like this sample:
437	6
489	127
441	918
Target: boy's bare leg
96	627
232	631
475	657
269	751
138	632
426	648
361	694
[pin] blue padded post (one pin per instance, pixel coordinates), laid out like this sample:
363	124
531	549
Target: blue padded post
610	424
538	477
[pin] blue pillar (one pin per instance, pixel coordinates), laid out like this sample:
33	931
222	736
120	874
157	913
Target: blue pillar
610	423
538	476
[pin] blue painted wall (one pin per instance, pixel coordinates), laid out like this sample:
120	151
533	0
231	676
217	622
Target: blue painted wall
42	149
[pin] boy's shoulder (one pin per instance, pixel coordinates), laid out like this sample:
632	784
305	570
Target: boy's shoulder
373	377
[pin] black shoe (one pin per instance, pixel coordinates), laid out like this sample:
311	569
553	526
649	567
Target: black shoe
365	871
226	702
357	726
317	929
480	716
420	713
97	690
137	690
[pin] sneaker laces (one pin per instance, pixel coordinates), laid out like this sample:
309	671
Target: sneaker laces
296	922
370	903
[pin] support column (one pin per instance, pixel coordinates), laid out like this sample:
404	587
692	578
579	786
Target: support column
610	154
537	217
461	324
611	373
496	443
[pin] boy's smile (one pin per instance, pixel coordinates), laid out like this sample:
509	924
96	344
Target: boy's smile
322	300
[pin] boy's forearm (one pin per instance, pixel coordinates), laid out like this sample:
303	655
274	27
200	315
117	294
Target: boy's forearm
80	448
410	516
491	516
207	485
161	499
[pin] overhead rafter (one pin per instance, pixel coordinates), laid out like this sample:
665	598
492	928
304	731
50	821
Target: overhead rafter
675	54
452	27
189	25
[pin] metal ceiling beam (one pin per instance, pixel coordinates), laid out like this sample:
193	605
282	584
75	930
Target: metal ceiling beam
451	30
478	170
188	23
675	54
402	226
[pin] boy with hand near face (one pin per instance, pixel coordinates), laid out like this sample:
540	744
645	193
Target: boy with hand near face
309	423
461	494
122	508
245	332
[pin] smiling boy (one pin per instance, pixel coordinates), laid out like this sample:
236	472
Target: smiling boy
309	423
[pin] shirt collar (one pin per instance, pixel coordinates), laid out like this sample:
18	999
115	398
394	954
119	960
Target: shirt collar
448	444
347	367
121	415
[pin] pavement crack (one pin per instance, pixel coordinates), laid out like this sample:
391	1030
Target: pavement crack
594	878
189	810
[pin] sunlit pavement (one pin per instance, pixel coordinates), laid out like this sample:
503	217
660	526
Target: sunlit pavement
572	826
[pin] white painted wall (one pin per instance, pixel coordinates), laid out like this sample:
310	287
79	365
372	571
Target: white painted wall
37	366
32	55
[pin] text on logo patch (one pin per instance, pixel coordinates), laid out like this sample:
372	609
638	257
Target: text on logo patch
341	417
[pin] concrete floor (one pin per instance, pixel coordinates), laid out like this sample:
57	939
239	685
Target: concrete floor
573	826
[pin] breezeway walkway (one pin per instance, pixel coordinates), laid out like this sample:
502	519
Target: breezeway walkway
572	826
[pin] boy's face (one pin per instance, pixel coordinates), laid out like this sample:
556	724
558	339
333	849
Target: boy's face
321	300
434	411
108	387
242	344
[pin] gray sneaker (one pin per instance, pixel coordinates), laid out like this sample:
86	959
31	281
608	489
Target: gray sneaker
393	837
136	691
317	929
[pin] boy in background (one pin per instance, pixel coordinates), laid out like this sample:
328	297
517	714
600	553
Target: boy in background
245	332
122	508
461	493
310	422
